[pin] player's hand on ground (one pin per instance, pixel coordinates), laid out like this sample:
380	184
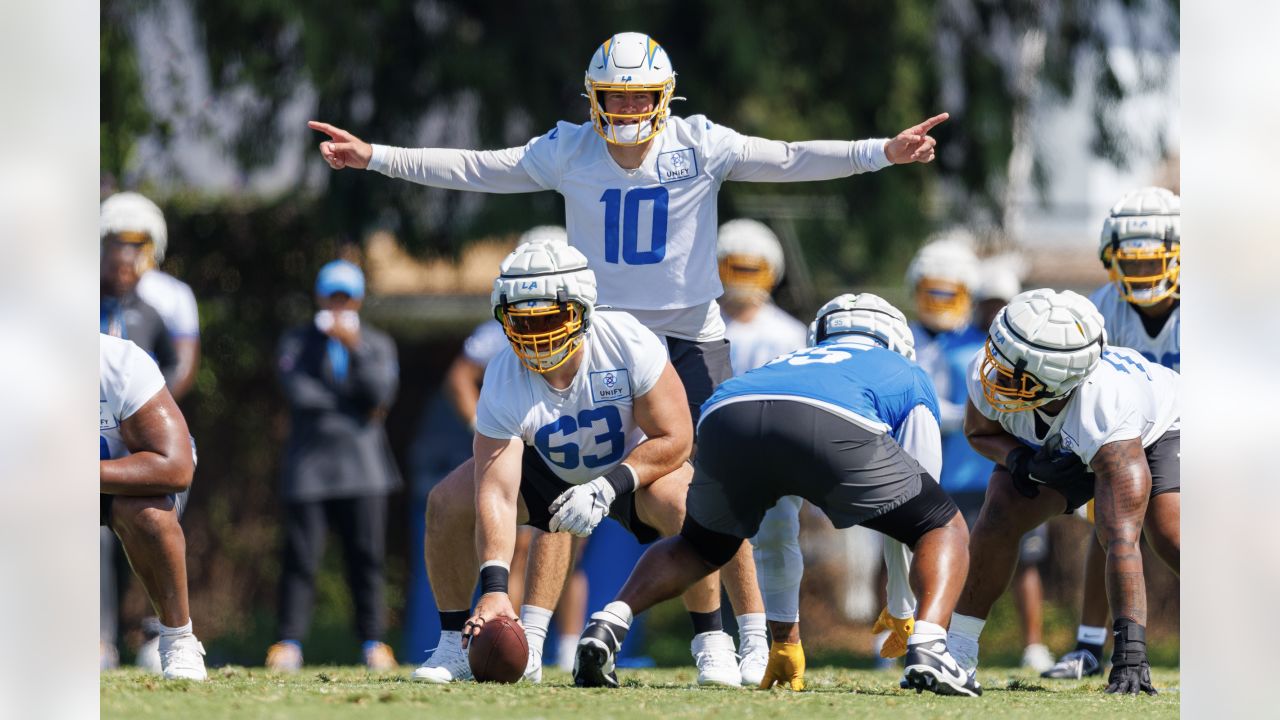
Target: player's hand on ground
491	605
914	144
785	668
1058	469
342	149
580	509
895	646
1129	679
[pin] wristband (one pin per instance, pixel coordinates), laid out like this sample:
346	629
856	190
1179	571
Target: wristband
622	479
1130	643
494	576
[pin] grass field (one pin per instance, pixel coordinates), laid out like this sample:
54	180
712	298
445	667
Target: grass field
666	694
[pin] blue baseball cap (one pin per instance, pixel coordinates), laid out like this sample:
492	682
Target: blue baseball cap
340	276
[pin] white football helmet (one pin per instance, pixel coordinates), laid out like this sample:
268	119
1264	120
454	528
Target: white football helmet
1039	348
134	219
750	259
1141	245
544	297
544	233
630	62
942	276
998	279
864	314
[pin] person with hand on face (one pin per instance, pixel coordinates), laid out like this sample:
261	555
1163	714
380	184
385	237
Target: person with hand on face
339	377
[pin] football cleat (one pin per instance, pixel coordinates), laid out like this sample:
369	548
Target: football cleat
379	658
182	658
448	662
713	653
755	658
284	656
1037	658
1075	665
930	667
597	650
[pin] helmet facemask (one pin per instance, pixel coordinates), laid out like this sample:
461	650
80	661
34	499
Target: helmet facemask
1007	386
629	129
543	333
747	279
942	305
1145	271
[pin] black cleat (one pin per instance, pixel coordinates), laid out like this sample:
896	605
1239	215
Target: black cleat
930	667
597	649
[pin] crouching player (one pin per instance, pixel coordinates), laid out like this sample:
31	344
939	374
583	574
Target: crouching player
1068	418
586	419
818	423
145	462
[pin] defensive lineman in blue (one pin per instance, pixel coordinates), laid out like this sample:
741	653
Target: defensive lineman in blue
819	423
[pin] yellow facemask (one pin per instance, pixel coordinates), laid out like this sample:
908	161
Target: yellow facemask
544	334
748	276
1007	389
146	248
611	126
942	305
1152	272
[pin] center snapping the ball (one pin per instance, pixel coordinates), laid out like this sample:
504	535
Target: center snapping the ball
499	652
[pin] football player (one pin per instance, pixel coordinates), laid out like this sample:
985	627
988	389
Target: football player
584	418
1141	247
145	464
751	265
1067	418
839	424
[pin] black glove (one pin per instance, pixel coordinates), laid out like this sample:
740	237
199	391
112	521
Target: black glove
1130	671
1031	469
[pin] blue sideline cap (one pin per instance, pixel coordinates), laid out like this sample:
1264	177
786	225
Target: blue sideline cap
340	276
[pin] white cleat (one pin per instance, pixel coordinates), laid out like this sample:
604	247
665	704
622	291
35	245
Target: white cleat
755	658
717	662
448	663
533	670
182	658
1037	658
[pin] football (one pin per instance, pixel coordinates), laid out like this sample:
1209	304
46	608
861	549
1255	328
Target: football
500	652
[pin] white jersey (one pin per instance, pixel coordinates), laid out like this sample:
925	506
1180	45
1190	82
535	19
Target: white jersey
584	431
650	233
484	343
127	379
769	334
1125	397
1124	328
173	300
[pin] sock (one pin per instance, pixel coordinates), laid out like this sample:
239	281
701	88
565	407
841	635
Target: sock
171	632
926	632
536	620
453	620
451	639
752	628
294	643
1091	638
962	639
704	622
566	652
370	645
616	613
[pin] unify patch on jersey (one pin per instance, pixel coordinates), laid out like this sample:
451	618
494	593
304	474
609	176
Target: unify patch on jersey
106	419
610	385
677	165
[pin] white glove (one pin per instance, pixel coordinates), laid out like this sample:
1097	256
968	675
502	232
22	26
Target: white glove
580	509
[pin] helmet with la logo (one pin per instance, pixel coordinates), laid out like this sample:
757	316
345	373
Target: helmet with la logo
942	276
866	315
750	259
630	62
1141	245
1040	347
131	218
544	297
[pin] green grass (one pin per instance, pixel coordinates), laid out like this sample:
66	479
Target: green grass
667	694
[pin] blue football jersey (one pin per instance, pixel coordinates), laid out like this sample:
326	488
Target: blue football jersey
862	381
963	469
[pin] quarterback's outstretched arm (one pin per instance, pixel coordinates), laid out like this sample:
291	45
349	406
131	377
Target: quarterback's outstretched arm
159	444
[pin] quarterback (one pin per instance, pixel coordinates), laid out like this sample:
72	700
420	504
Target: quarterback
1069	418
584	418
145	464
1141	248
840	424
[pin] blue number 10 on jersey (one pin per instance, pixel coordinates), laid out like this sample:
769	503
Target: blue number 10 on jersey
627	209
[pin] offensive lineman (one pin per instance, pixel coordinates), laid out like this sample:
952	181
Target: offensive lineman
145	463
823	423
584	419
1141	247
1068	418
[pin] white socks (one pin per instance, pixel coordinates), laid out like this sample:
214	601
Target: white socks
172	632
1091	635
926	632
616	612
752	629
962	639
535	620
